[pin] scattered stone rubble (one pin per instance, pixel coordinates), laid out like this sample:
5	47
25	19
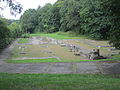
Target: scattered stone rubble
77	50
22	50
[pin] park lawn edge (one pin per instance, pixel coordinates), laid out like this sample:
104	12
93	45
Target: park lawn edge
53	60
10	81
32	60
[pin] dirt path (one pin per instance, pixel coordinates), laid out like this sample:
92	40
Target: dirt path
92	67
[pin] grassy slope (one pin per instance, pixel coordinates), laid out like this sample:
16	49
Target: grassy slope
59	36
58	82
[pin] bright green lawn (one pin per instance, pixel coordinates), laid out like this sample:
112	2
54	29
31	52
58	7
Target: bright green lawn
51	60
58	36
23	40
58	82
33	60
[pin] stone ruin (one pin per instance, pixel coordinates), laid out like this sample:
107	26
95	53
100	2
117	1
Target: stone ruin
78	51
22	49
95	54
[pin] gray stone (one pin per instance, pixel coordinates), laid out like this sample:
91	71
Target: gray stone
60	68
110	68
87	67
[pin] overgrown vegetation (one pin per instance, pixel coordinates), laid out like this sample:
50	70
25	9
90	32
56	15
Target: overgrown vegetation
9	31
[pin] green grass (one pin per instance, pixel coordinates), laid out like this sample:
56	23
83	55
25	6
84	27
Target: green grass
59	36
52	60
32	60
58	82
23	40
116	57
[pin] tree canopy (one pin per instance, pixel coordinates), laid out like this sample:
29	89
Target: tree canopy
98	19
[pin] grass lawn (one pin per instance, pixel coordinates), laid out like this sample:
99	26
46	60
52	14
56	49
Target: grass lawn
51	60
33	60
59	82
23	40
59	36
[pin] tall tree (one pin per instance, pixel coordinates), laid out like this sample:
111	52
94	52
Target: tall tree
4	33
112	7
29	20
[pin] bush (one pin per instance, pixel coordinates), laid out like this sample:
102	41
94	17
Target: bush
26	35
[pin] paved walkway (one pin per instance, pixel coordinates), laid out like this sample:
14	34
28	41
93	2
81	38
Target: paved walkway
92	67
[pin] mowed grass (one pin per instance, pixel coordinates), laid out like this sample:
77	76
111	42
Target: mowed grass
58	82
51	60
32	60
23	40
59	36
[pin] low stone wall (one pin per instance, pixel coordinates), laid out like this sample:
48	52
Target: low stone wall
78	51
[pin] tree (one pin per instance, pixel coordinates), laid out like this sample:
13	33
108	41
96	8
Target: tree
15	29
113	10
15	7
29	20
4	33
56	15
98	19
70	18
44	19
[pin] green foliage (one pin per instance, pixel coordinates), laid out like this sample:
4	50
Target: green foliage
25	35
70	18
8	32
114	11
46	19
4	34
98	19
15	30
29	21
23	40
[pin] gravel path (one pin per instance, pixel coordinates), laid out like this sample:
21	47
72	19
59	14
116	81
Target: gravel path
92	67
